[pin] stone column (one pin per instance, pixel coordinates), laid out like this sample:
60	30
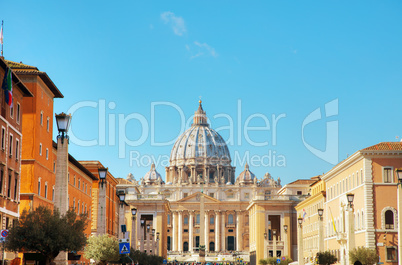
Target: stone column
320	234
142	231
101	222
134	233
174	234
217	232
191	231
206	233
61	187
300	255
274	237
239	226
180	232
223	239
122	220
350	220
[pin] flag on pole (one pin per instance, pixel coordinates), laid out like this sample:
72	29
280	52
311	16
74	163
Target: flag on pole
7	86
333	222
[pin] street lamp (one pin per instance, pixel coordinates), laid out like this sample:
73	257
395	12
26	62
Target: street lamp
285	227
133	233
61	179
157	244
320	230
102	171
122	197
63	122
350	197
399	175
300	254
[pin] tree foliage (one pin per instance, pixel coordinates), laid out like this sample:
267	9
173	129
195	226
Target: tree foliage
263	261
47	232
102	248
326	258
365	255
286	261
143	259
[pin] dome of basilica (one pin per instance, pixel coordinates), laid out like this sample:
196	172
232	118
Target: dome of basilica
200	142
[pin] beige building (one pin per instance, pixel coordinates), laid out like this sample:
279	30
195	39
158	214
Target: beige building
368	174
238	210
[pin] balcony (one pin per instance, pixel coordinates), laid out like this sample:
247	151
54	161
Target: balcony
342	238
230	225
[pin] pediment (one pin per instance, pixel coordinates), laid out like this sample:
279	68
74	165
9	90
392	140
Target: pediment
196	198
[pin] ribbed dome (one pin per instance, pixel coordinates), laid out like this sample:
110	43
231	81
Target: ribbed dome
200	141
152	175
246	176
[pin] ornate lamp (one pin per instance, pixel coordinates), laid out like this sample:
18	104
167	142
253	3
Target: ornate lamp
300	221
285	227
102	171
350	197
134	212
63	122
320	213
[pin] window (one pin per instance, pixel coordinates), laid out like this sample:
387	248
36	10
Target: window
247	195
1	181
3	138
185	195
9	186
46	190
18	113
11	112
74	181
168	219
186	220
39	186
11	146
197	219
15	188
78	207
79	183
389	219
387	174
47	124
211	220
391	254
299	192
17	146
47	154
53	193
40	149
230	219
185	230
54	166
361	175
41	118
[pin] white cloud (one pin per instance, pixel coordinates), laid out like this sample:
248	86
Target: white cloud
204	48
177	23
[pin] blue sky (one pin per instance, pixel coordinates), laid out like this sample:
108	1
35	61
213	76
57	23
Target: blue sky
263	59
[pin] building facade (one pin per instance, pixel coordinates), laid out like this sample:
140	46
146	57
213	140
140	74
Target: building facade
10	154
203	204
371	219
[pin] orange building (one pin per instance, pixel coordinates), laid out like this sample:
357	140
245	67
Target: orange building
10	154
39	152
110	218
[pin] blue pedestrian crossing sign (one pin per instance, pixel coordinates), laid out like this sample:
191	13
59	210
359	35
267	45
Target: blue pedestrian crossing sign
124	246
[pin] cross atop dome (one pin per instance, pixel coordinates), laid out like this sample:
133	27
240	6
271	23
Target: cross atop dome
200	117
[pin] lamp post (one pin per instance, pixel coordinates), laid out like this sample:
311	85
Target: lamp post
142	235
285	240
157	244
274	243
61	183
153	242
133	232
122	197
147	235
350	226
300	255
265	245
320	230
101	224
399	194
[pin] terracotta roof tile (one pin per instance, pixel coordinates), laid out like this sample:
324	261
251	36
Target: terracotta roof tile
385	146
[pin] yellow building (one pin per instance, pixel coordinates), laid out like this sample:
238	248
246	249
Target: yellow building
371	219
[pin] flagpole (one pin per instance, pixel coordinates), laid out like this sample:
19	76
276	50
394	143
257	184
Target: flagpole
2	23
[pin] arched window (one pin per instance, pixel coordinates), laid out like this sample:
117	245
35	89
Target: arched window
211	220
168	219
389	219
197	219
185	246
230	219
358	221
186	220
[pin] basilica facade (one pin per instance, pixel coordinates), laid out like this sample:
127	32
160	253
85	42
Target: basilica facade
203	204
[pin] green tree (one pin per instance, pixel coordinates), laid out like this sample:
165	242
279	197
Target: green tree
145	259
272	261
365	255
102	248
263	261
47	232
326	258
